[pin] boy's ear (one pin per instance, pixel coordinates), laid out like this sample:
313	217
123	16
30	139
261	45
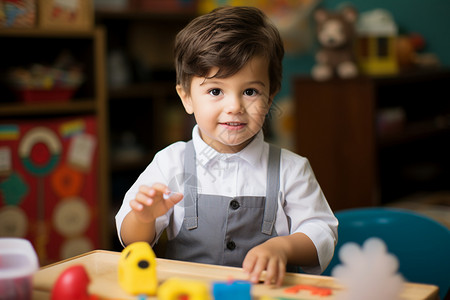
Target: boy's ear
185	99
271	98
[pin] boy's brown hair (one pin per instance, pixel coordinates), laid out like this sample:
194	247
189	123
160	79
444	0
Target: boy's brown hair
227	38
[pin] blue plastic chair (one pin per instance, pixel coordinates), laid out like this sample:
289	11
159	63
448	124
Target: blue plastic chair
421	244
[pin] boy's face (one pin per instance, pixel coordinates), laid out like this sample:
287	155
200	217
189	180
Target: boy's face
230	111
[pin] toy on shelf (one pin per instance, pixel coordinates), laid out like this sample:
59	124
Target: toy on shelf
176	288
17	14
336	36
406	50
64	14
46	83
410	55
137	269
376	49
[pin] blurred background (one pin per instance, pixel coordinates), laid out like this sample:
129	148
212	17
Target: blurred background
87	97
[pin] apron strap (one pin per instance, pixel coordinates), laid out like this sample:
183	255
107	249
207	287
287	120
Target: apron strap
190	187
272	189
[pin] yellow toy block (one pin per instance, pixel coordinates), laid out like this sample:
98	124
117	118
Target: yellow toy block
137	269
174	288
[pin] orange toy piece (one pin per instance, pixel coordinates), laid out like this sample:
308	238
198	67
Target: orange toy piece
315	290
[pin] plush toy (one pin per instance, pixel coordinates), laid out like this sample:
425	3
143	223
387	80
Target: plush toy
336	35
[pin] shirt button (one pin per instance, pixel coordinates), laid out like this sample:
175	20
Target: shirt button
234	204
231	245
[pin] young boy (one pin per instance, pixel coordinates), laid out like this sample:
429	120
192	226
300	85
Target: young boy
227	197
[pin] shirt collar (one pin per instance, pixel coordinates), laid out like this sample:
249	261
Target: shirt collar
205	154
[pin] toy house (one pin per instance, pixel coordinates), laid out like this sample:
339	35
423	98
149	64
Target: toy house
377	33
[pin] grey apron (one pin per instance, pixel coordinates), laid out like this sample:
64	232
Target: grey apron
221	230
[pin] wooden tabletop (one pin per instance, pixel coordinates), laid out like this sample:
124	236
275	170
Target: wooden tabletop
102	268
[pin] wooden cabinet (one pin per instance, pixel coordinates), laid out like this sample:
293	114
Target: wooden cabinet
362	156
23	47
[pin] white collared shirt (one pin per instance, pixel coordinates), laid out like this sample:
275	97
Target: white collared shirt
302	207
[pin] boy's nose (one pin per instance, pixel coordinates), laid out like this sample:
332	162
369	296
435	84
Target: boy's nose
234	105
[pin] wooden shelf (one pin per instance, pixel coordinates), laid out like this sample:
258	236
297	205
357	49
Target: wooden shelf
413	132
40	33
71	107
135	14
412	76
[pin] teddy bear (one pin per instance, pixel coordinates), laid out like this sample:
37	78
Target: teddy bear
336	35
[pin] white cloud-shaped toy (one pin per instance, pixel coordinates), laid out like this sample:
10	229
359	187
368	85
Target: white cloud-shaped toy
368	272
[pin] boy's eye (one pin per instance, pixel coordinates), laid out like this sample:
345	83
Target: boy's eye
250	92
215	92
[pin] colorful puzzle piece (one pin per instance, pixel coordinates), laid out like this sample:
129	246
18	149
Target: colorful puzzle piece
176	288
314	290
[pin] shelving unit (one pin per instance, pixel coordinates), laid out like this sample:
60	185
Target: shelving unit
81	106
361	161
22	47
144	109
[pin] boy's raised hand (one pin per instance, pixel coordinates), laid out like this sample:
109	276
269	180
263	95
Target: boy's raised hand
150	202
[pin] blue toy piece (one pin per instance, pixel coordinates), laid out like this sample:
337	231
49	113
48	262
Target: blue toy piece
236	290
421	244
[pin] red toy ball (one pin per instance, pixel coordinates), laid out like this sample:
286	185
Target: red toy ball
72	284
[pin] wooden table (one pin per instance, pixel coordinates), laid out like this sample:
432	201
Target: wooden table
102	269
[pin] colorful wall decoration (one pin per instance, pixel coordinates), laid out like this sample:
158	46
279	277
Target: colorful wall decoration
48	185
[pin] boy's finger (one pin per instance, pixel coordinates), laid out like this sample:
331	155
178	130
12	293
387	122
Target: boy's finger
272	272
153	190
145	189
260	266
160	187
281	273
143	199
135	205
173	197
249	263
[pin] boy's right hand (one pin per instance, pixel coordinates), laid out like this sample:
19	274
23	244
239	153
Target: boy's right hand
150	202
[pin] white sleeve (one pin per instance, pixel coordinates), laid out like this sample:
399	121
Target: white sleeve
165	164
307	208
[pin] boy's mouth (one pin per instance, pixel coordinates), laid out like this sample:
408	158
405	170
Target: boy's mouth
233	124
